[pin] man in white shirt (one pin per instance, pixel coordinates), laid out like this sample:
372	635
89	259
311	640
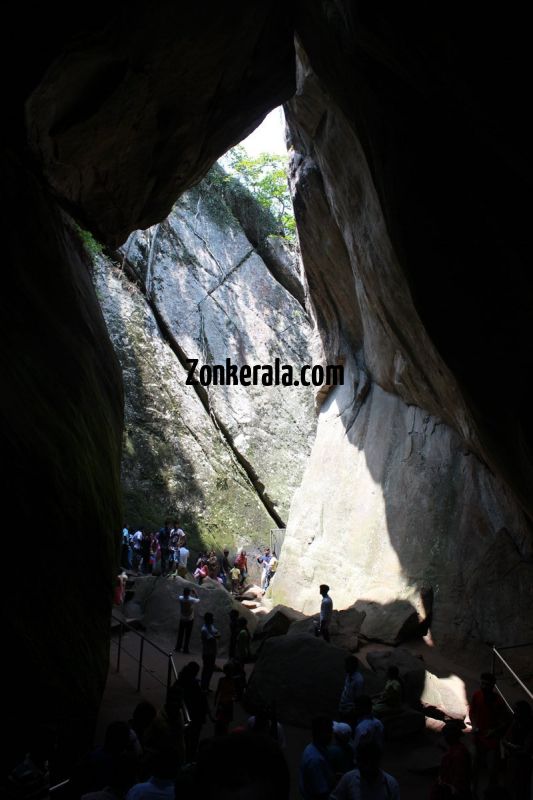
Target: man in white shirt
136	540
183	557
326	612
187	602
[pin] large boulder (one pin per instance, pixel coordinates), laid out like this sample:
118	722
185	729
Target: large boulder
278	621
304	675
391	623
344	628
157	598
445	695
122	121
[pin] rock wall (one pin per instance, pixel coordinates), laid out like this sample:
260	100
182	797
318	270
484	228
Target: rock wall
226	460
385	518
61	412
397	496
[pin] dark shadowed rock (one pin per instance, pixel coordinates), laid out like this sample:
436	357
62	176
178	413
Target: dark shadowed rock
390	623
344	628
407	722
278	621
123	122
302	674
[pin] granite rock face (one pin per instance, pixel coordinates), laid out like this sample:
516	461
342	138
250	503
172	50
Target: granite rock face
61	411
398	499
384	518
226	459
133	113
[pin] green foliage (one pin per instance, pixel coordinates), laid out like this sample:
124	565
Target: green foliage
93	247
266	178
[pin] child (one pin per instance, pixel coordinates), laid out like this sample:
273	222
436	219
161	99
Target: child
235	575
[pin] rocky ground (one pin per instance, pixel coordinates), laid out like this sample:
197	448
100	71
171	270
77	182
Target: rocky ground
304	674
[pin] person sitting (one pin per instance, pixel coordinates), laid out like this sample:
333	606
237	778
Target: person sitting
201	572
390	699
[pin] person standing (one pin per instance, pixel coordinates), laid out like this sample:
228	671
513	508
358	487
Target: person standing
242	562
225	568
489	718
183	558
351	691
235	575
272	567
136	541
326	612
125	552
264	560
187	601
209	636
316	775
164	545
367	780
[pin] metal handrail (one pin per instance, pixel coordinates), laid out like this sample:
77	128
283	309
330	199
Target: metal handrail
497	654
171	667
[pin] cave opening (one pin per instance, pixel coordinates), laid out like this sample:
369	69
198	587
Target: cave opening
215	286
411	194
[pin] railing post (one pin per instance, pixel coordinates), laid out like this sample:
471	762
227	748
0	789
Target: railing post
141	651
119	650
169	673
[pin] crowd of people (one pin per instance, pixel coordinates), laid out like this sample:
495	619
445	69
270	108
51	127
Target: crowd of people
166	552
164	754
343	760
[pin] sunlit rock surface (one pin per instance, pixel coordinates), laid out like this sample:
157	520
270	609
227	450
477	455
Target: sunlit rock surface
217	300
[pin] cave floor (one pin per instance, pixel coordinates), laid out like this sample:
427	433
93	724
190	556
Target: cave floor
412	762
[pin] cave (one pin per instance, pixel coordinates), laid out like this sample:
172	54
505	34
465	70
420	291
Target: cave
410	179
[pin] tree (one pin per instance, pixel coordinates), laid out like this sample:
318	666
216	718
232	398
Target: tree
266	178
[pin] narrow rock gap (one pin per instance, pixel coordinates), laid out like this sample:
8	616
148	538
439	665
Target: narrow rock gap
131	273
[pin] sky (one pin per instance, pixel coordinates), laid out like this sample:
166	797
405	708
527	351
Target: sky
269	137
